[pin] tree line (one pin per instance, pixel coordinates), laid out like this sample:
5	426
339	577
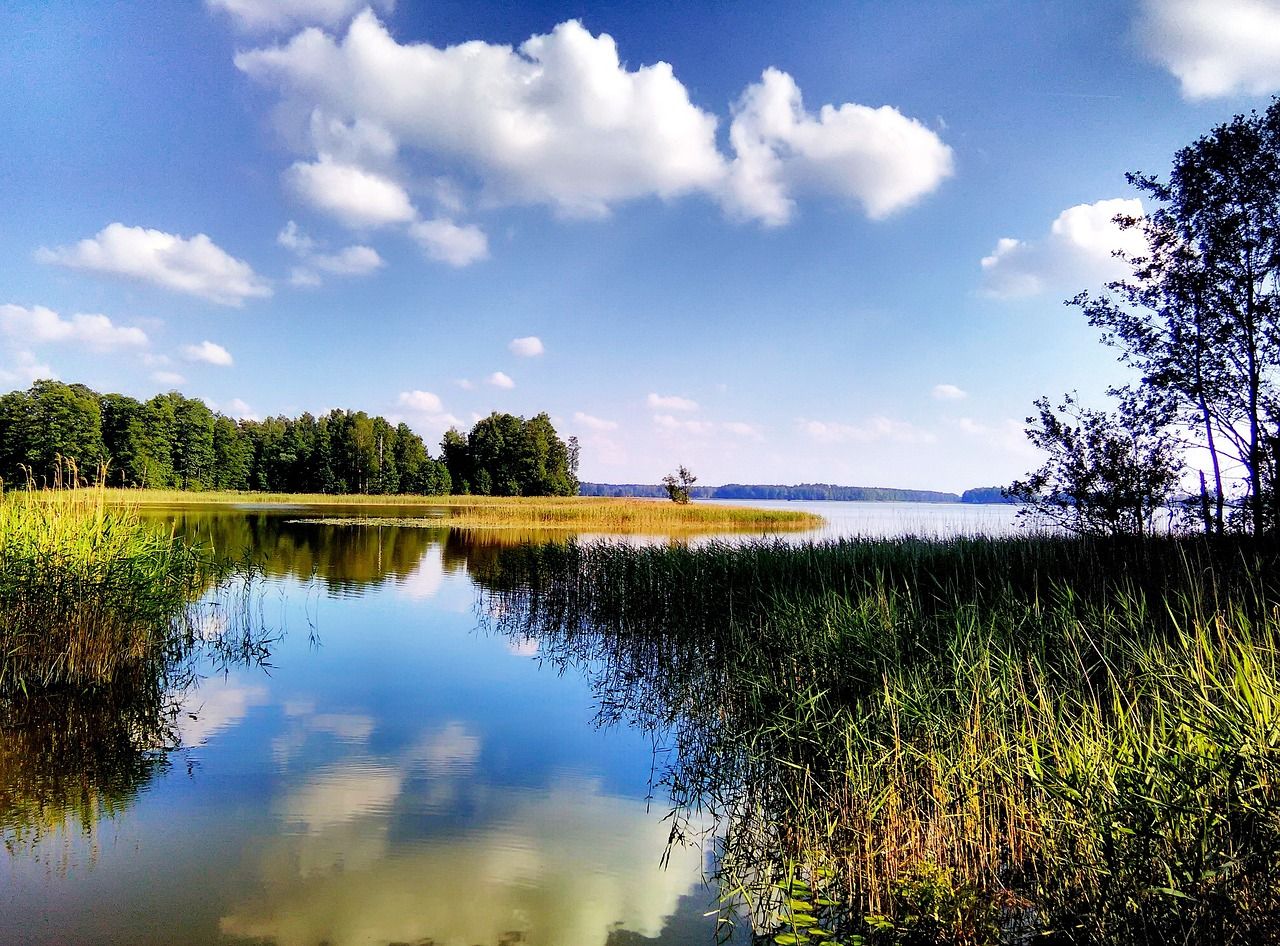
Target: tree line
1198	321
175	442
800	491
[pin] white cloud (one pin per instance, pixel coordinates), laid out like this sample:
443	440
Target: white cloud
303	278
196	266
171	378
668	423
500	380
1077	253
261	15
354	196
561	121
527	347
349	261
670	402
949	392
26	370
877	157
291	237
38	325
558	121
873	430
422	401
428	411
208	352
1215	48
594	423
239	409
447	242
465	383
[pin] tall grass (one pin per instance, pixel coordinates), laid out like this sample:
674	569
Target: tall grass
87	590
580	513
969	741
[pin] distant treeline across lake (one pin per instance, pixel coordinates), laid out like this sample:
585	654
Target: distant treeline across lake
803	491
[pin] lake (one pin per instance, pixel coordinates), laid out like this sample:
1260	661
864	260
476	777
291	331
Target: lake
396	770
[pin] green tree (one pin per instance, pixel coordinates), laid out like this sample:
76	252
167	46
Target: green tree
1107	473
1199	317
232	455
678	484
456	457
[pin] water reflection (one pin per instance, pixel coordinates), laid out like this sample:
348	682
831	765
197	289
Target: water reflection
568	863
70	760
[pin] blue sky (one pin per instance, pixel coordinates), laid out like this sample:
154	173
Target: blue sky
823	242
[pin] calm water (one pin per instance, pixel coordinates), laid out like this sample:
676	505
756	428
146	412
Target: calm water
396	773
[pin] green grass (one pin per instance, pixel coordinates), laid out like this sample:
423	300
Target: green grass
964	741
87	590
575	513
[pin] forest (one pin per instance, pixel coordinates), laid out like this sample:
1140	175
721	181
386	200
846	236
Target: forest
176	442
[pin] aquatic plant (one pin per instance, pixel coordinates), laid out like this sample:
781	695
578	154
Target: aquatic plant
87	590
974	740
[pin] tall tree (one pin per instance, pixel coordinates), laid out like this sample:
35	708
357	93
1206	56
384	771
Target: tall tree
1200	315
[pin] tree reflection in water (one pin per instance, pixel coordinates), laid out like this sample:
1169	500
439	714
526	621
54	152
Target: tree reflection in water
69	759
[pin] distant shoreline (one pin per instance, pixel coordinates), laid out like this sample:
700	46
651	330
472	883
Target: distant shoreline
801	492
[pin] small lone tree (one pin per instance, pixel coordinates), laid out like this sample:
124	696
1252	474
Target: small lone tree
678	484
1108	473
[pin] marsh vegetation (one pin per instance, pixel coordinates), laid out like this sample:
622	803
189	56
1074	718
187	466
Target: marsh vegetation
88	591
964	741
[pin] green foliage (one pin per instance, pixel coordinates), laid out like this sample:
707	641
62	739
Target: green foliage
87	591
1025	740
1106	473
679	484
1198	318
506	455
175	442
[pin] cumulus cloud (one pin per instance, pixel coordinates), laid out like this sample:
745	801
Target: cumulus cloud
500	379
561	121
446	242
527	347
240	409
558	121
348	261
208	352
422	401
949	392
196	266
351	194
37	325
876	157
873	430
1077	252
26	370
594	423
670	402
1215	49
171	378
427	408
262	15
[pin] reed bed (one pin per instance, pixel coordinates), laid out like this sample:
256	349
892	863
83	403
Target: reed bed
967	741
599	514
87	590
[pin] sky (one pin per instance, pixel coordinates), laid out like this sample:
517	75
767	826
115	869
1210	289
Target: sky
775	242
